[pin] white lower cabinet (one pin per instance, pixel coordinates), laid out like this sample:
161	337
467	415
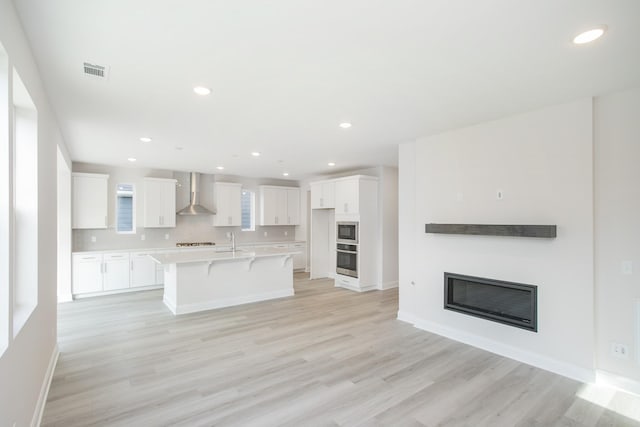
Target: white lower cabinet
116	271
87	273
143	269
299	260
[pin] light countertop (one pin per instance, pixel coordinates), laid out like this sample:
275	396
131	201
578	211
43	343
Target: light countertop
222	246
216	256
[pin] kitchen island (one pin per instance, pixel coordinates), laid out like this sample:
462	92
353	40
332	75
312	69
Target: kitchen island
208	279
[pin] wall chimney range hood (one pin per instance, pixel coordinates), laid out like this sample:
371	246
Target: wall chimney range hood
194	207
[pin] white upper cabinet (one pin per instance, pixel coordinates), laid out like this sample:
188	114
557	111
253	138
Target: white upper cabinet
322	195
90	200
279	205
227	197
348	196
293	206
159	203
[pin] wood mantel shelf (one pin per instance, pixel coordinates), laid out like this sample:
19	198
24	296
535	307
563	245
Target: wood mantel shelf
513	230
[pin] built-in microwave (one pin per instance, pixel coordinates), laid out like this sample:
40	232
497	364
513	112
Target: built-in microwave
347	232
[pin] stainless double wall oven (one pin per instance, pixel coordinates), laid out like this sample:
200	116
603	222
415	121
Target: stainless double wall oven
347	248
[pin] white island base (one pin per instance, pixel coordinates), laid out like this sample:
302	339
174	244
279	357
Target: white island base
208	280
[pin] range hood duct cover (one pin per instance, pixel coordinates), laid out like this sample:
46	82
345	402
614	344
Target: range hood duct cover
194	207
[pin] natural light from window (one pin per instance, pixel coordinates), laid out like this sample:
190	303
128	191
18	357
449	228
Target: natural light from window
247	203
125	209
25	209
5	185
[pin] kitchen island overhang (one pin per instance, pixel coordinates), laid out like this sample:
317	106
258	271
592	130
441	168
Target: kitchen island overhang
206	280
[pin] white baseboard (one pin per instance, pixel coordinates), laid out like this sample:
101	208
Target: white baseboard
608	379
44	390
118	291
540	361
226	302
389	285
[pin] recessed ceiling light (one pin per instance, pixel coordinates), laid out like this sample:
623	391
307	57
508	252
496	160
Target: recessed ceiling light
220	168
145	139
201	90
590	35
345	125
285	173
255	154
331	164
132	159
179	148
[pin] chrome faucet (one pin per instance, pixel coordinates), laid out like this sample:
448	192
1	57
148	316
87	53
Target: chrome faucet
233	241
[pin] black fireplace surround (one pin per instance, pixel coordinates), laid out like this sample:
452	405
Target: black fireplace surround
510	303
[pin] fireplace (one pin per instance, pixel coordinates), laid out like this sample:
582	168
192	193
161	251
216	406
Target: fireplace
510	303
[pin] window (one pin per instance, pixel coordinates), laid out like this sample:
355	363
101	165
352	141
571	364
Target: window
125	209
247	202
25	204
5	191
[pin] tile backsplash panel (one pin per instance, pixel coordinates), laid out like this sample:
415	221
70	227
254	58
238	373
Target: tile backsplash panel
188	229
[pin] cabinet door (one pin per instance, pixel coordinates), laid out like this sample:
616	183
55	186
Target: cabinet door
116	271
316	196
293	206
281	206
268	206
235	205
90	201
347	197
328	195
228	204
153	209
299	260
87	273
143	270
168	200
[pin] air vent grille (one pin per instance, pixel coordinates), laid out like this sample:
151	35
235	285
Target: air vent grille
94	70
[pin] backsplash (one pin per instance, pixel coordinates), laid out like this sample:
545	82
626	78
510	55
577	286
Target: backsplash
188	229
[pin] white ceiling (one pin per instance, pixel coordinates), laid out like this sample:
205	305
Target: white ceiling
285	73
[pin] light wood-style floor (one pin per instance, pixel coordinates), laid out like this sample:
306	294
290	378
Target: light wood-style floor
325	357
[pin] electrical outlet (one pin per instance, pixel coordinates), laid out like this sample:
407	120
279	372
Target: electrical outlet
620	351
143	237
499	195
228	234
286	233
93	239
265	234
627	268
166	237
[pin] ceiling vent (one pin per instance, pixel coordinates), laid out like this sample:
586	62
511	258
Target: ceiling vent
93	70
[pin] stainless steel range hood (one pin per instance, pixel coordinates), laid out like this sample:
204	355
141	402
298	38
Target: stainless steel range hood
194	207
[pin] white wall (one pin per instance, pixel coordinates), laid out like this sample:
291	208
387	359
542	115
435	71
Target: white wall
24	366
542	161
617	231
64	228
388	203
